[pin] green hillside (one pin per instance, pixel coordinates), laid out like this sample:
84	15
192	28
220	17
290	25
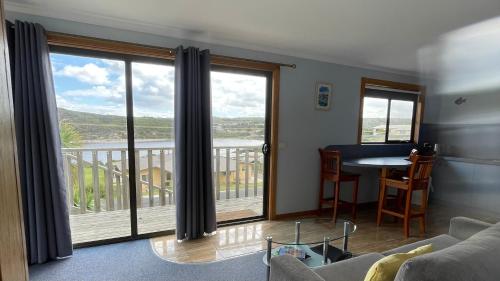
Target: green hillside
93	127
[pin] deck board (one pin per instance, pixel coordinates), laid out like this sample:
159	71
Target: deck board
111	224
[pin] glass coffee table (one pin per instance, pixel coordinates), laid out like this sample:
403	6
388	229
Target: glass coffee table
309	239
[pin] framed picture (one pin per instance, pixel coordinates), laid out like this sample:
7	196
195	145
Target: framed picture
323	95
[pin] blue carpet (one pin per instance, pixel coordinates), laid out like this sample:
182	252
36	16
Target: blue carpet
136	261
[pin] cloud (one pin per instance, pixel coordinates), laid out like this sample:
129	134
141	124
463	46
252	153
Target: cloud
238	95
114	93
233	95
106	109
89	73
153	89
375	108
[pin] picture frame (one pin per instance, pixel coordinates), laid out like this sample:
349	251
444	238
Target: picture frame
323	95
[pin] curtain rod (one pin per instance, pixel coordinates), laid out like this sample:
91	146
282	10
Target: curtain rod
172	51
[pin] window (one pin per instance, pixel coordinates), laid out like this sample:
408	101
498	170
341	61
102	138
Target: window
389	112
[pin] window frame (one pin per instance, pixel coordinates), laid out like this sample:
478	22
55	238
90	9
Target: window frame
393	91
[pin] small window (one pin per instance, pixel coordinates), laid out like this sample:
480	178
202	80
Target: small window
388	115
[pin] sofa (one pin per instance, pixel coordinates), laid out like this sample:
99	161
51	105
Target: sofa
469	252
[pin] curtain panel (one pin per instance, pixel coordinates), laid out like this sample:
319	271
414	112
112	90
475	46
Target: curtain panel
195	197
46	216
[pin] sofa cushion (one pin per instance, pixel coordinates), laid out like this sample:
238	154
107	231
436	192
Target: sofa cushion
473	259
353	269
438	243
386	268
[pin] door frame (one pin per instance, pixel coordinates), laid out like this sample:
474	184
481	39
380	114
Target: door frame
267	139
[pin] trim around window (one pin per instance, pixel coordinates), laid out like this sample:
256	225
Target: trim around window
397	91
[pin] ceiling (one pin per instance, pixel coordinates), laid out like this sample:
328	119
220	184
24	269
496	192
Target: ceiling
383	34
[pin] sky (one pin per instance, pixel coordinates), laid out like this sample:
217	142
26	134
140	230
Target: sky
377	108
97	85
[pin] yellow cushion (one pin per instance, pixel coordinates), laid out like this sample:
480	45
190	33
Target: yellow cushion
387	268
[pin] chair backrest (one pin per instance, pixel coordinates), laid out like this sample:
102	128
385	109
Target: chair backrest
420	171
413	152
330	161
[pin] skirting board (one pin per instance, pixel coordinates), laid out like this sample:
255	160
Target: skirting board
314	213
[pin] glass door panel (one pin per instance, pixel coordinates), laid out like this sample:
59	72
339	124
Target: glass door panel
90	96
153	98
239	110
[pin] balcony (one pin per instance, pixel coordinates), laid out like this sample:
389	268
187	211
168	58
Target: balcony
98	188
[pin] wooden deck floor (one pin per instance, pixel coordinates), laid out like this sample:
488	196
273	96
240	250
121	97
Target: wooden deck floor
111	224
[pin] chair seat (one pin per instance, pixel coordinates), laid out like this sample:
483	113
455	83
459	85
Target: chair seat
397	183
347	176
344	176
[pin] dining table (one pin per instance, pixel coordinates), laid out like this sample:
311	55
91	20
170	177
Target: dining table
383	163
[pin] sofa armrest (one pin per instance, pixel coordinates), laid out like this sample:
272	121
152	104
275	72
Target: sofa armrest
288	268
463	228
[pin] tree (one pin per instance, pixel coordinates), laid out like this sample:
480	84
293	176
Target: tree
70	137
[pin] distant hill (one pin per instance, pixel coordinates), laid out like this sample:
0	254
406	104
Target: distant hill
93	126
369	123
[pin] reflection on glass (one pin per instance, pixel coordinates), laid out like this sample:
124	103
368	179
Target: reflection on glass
400	120
153	95
374	119
90	96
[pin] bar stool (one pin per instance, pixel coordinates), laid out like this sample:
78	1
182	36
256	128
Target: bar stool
417	178
331	163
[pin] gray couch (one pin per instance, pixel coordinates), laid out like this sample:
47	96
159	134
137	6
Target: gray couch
469	252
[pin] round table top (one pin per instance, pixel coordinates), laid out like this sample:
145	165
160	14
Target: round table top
379	162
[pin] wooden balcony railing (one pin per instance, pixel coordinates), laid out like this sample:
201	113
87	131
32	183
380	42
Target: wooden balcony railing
98	179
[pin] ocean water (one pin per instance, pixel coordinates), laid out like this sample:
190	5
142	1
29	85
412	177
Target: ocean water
116	146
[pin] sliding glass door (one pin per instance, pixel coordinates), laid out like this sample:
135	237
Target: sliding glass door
240	102
91	101
116	117
153	98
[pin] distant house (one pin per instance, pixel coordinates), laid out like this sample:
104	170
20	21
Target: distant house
395	130
144	165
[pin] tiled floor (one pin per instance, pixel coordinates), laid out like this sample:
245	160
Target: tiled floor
248	238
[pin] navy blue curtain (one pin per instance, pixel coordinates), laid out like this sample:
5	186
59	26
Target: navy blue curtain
195	197
46	217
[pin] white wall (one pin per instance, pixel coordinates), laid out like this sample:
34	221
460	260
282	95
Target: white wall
302	129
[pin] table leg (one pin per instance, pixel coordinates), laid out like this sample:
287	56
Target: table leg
268	255
346	236
326	243
297	232
383	174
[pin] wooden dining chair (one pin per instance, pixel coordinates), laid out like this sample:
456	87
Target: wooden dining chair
416	179
331	170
